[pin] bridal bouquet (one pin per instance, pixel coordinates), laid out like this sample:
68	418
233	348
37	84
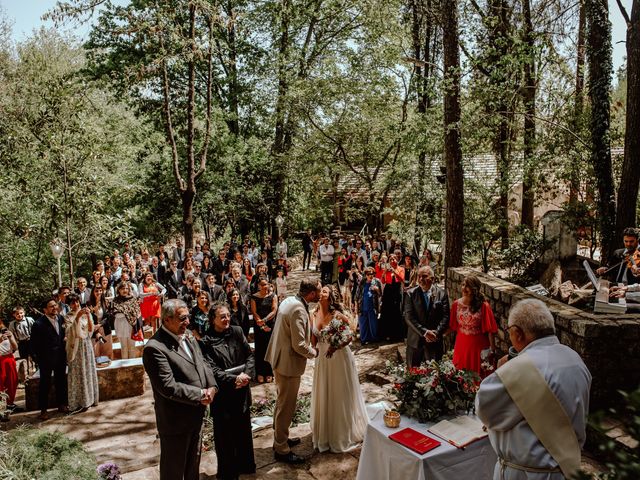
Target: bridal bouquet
337	334
434	389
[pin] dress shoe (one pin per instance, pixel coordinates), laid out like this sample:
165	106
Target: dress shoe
288	457
63	409
43	415
292	442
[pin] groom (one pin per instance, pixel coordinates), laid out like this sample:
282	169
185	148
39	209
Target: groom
288	351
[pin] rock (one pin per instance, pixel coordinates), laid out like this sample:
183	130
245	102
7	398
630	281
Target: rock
552	278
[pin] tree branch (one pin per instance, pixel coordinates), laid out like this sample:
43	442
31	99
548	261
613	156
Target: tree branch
624	13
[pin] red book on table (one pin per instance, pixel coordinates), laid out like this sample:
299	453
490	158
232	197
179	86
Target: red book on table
416	441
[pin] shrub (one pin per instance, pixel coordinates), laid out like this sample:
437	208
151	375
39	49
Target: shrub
27	454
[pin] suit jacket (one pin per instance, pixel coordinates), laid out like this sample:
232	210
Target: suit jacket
85	296
178	255
216	292
290	344
619	272
177	383
419	319
173	285
48	346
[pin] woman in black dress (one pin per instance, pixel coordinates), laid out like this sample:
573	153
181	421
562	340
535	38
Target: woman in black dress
239	312
264	306
228	353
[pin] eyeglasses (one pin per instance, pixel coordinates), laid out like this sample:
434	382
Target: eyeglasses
369	274
426	276
506	329
184	317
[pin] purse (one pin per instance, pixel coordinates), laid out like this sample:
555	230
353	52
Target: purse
137	332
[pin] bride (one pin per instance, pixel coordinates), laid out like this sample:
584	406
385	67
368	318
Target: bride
338	415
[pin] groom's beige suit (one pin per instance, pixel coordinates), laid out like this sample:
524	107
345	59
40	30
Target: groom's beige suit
288	351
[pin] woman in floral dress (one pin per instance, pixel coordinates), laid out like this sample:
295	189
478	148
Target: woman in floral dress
472	319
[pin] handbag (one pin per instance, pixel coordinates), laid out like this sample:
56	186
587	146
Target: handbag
137	332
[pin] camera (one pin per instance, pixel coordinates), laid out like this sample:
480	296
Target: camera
3	330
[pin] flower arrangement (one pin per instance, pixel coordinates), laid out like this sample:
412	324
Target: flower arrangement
337	334
109	471
434	389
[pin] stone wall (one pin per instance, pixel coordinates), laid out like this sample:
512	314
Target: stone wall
608	344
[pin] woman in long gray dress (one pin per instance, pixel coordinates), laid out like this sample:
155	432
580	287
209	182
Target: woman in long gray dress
82	377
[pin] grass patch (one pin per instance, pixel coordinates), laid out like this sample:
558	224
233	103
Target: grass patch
28	454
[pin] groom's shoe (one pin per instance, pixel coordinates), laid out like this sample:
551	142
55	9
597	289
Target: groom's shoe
292	442
288	457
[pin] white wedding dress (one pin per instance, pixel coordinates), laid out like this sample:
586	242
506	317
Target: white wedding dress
338	415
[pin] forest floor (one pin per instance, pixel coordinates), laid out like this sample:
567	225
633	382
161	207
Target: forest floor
124	431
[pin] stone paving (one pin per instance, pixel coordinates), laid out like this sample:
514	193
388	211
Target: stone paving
123	431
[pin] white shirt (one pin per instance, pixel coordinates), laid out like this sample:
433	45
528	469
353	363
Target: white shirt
54	322
5	347
326	253
182	342
510	434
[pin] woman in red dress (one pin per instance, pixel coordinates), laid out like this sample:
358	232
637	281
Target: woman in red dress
473	320
150	292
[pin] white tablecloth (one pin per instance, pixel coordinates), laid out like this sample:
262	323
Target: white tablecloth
384	459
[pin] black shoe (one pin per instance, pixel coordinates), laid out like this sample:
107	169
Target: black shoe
288	457
292	442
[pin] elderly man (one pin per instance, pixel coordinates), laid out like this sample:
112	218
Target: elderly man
183	385
426	313
535	405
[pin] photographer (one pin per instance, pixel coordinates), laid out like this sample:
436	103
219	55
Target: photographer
82	377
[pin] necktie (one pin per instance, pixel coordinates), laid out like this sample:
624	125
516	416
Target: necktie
183	344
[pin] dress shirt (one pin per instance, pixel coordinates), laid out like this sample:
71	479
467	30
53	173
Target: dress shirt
54	322
326	253
182	342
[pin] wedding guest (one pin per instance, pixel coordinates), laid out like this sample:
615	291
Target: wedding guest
183	385
216	292
473	320
261	271
239	312
8	367
227	351
264	307
199	321
82	378
125	311
47	341
102	337
151	292
83	292
367	301
391	324
281	285
20	327
107	289
426	313
544	377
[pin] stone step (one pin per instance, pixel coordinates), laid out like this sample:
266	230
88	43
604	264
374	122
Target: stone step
121	379
117	349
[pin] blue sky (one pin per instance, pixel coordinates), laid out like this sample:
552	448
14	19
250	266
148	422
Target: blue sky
26	16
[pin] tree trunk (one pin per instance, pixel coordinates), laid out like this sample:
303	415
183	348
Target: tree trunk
234	87
452	148
529	100
574	172
187	217
600	66
630	175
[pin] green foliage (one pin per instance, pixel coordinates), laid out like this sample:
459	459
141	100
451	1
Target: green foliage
71	159
27	454
522	255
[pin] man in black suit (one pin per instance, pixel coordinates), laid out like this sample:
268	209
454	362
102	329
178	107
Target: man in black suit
220	266
173	280
48	345
183	385
426	313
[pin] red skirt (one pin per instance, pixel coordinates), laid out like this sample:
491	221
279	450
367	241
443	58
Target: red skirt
466	352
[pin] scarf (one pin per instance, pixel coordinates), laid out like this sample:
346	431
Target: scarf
128	306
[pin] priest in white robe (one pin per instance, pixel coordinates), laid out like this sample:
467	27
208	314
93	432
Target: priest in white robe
525	419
